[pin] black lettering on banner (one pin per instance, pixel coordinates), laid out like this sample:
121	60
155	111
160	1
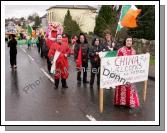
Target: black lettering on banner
118	77
106	70
112	75
124	80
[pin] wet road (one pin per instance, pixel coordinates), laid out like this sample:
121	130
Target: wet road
30	95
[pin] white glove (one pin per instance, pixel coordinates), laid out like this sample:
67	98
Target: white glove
111	49
102	54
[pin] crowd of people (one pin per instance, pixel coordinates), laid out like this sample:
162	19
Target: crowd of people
55	47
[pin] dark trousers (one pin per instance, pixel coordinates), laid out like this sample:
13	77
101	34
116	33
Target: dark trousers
38	47
95	70
48	63
63	81
84	67
13	58
41	51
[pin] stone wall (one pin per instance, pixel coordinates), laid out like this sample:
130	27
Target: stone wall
143	46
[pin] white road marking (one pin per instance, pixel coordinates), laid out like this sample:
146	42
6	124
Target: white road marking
51	79
24	50
30	57
91	118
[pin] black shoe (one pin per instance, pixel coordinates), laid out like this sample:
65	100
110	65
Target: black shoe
49	72
91	86
64	84
56	83
85	82
79	79
56	87
65	87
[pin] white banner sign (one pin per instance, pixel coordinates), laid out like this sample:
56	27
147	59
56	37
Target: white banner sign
123	70
57	53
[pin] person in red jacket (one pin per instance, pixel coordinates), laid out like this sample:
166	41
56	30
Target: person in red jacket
61	64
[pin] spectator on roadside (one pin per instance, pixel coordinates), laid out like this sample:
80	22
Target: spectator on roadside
109	44
81	52
95	60
13	51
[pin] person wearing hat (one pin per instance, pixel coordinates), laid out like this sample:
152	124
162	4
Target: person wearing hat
13	51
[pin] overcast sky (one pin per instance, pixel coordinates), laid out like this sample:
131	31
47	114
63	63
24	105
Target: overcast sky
24	10
18	11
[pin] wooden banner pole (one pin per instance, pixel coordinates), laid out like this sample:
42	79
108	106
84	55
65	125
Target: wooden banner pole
145	90
101	99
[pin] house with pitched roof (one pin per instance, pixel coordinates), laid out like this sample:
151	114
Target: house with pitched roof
84	15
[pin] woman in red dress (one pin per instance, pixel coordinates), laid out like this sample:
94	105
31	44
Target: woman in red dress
127	95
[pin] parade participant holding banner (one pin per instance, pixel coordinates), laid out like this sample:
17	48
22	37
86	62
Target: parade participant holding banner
58	54
126	94
109	44
95	61
81	51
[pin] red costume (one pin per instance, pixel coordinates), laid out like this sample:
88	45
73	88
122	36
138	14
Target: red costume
126	94
62	61
49	42
65	40
51	38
